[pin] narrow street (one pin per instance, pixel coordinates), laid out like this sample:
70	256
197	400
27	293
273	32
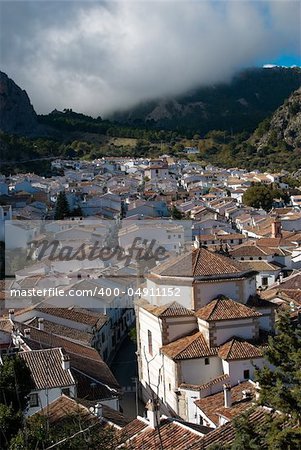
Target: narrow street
124	367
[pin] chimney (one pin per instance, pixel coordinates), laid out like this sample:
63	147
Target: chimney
41	323
246	394
257	391
66	362
280	277
197	243
98	410
153	413
11	314
276	228
27	333
227	396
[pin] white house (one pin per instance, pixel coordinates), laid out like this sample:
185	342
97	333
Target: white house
51	377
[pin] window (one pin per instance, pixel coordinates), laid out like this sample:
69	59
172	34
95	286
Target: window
179	236
260	258
251	258
264	281
169	386
66	391
207	361
169	236
246	374
150	342
33	400
242	258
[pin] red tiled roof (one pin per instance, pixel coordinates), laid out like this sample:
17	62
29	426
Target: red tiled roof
46	368
212	403
225	434
200	263
173	436
236	349
83	358
200	387
173	309
224	308
189	347
250	250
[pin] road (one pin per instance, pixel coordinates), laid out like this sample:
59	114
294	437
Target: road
124	367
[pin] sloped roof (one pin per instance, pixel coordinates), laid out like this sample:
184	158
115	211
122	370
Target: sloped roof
46	368
173	309
211	404
174	435
189	347
225	434
236	349
200	263
224	308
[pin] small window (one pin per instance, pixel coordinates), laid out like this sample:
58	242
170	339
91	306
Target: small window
264	281
207	361
33	400
260	258
246	374
169	386
169	236
66	391
242	258
150	342
179	236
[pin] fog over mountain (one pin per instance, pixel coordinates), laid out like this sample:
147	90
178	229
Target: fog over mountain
98	57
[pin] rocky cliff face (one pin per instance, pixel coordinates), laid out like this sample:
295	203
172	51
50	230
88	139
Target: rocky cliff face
238	106
284	125
17	115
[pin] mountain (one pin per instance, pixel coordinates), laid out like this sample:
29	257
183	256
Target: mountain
240	105
17	115
284	126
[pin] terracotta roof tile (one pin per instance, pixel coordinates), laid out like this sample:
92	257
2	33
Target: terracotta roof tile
236	349
173	309
211	404
200	263
189	347
46	368
83	358
224	308
173	436
200	387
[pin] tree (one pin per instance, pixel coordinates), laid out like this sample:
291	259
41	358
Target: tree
281	387
15	382
280	390
62	207
10	422
259	196
77	212
175	213
15	385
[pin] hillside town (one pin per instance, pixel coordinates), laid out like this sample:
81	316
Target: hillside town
157	338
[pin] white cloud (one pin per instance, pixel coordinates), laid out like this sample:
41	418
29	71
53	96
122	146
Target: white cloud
95	57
